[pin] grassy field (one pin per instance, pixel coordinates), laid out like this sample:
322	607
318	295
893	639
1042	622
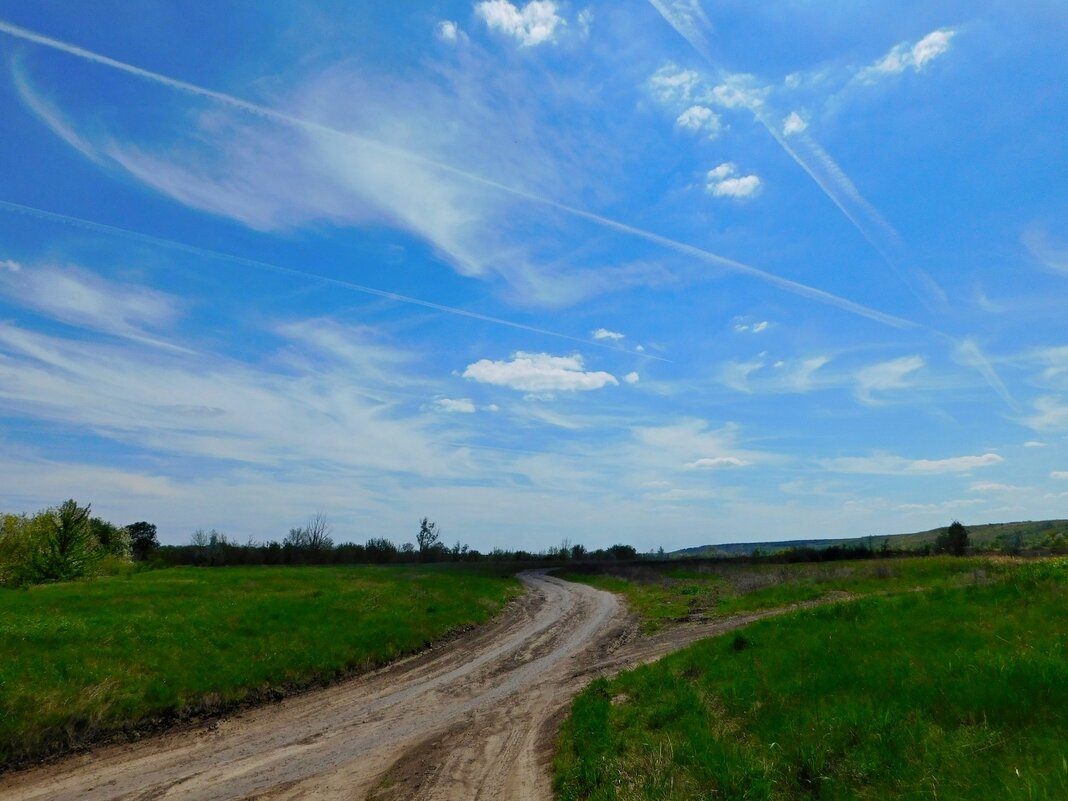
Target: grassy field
668	593
83	659
958	692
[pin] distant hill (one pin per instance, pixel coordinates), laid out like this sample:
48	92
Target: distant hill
1031	534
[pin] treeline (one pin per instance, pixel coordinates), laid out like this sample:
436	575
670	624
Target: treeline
307	546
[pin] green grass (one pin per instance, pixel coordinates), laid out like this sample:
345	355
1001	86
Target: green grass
959	692
86	658
668	593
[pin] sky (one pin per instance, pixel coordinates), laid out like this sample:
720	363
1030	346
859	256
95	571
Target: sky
666	273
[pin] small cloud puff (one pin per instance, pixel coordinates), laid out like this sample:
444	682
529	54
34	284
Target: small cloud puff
724	181
532	25
539	373
449	31
700	120
459	405
755	328
604	333
631	378
1034	443
794	124
12	266
712	462
909	56
1059	474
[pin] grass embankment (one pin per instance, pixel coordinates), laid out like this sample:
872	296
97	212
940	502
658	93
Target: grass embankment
953	693
87	658
665	594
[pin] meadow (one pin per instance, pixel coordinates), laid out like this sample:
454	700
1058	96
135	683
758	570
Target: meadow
85	659
666	593
958	691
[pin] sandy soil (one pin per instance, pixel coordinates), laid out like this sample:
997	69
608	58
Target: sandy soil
474	719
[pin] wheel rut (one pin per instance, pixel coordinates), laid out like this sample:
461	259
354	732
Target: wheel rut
474	719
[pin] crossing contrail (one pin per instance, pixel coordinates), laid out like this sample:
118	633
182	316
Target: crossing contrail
731	265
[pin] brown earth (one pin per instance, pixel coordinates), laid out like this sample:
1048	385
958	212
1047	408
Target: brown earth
473	719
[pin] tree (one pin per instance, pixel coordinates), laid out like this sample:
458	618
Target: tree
143	540
64	547
427	537
954	540
313	537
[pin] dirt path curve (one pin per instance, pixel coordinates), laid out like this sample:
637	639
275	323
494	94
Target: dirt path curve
474	719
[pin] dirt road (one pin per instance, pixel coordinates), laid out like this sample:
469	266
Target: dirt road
474	719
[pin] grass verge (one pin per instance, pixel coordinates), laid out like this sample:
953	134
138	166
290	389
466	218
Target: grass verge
960	692
84	659
665	594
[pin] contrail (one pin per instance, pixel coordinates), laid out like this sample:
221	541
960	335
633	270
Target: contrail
824	171
89	225
268	113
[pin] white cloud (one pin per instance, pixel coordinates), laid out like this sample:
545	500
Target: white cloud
955	464
1052	254
604	333
738	92
584	21
793	124
993	486
449	31
1050	413
632	378
79	297
885	464
886	376
1059	474
700	119
459	405
724	181
10	266
708	462
538	372
674	86
736	374
1034	443
755	328
906	56
532	25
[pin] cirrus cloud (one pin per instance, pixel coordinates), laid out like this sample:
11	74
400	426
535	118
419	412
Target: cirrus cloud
712	462
887	464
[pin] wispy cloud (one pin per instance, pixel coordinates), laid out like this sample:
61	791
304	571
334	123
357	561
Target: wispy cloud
885	464
909	56
604	333
713	462
79	297
539	372
409	200
1051	253
886	377
455	405
1051	413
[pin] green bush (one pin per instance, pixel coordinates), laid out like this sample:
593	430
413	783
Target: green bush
59	544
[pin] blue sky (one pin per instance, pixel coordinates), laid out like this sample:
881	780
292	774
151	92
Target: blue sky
664	273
